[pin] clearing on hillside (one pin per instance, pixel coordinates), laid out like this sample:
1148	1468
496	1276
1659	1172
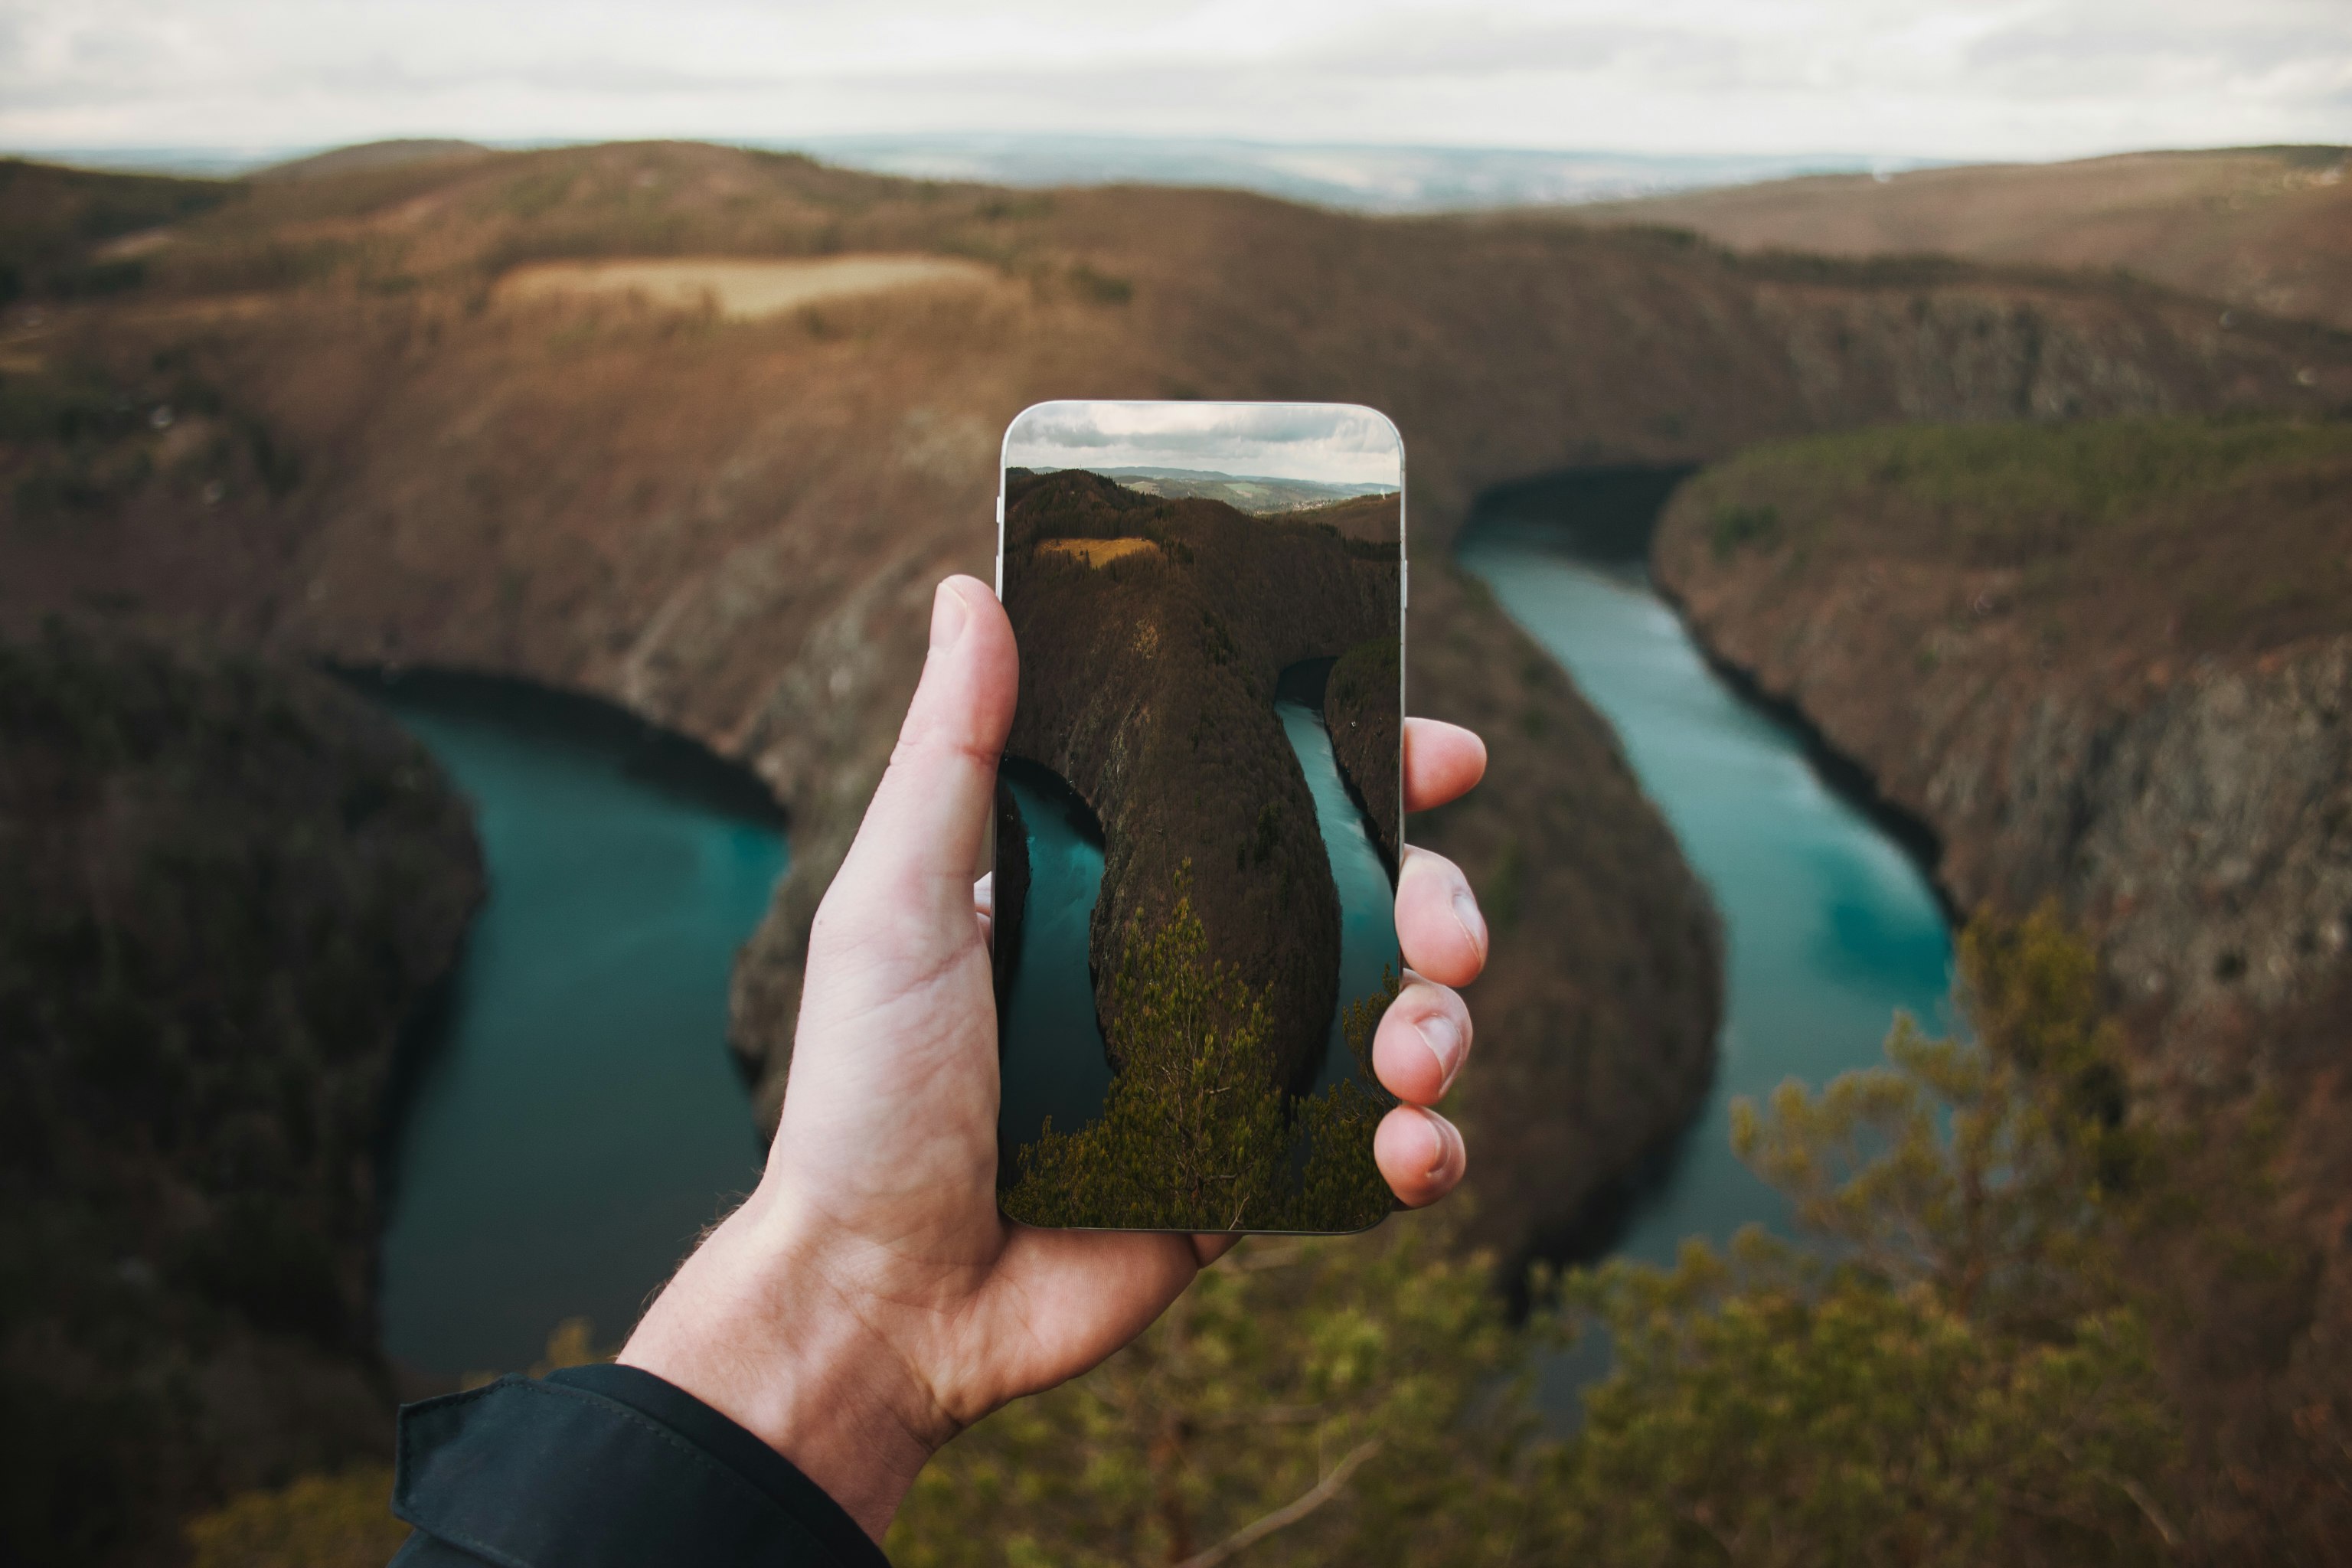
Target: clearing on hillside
1096	551
743	290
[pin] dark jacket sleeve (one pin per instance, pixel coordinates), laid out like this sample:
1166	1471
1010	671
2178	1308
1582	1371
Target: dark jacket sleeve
599	1466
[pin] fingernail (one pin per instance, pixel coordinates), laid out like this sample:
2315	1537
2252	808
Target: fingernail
948	617
1445	1147
1474	924
1443	1037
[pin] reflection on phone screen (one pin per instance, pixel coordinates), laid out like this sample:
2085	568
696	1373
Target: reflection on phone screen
1198	812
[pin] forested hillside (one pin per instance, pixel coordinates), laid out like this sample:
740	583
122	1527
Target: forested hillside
225	886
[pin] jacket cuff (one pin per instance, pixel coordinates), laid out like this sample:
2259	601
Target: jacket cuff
610	1465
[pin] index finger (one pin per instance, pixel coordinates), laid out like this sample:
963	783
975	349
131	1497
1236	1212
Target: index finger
1442	761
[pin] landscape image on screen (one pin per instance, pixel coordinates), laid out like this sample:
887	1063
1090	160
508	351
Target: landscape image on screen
1197	813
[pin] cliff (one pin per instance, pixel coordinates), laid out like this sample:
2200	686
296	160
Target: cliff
1360	708
2104	663
2110	666
224	887
318	425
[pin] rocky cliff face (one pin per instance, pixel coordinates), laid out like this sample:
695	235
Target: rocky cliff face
2108	670
733	525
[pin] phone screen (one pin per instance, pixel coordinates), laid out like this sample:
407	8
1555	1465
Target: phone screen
1199	813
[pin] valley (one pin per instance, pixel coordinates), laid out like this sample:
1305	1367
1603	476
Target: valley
309	419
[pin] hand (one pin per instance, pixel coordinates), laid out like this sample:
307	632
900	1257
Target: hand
869	1301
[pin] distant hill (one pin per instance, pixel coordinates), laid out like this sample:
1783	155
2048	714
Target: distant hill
1378	517
392	154
63	227
1254	494
1351	176
2265	227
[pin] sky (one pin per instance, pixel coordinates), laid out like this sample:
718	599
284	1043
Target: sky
1328	443
1896	79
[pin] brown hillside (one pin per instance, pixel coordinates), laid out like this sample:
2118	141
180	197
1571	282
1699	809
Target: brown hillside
733	527
1380	518
2110	664
2269	229
371	155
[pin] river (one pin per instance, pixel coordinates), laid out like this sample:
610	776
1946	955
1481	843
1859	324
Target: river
1053	1062
574	1120
1368	941
1830	926
571	1119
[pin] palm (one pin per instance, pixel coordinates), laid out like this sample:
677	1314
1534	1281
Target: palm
900	1132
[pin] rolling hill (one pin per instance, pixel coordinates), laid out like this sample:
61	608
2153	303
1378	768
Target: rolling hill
2267	229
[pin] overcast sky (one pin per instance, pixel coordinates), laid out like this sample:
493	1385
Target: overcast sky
1962	78
1334	444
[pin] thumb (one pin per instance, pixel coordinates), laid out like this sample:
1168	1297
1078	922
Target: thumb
915	852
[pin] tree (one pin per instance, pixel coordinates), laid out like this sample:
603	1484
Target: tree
1956	1374
1307	1401
1196	1131
1764	1408
2001	1169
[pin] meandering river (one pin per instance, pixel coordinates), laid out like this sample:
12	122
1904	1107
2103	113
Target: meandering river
1830	926
573	1120
1368	941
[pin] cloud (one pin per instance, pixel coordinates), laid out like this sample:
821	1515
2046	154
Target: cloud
1893	78
1330	443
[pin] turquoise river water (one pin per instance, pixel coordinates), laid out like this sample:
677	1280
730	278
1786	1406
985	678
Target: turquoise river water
1829	926
573	1119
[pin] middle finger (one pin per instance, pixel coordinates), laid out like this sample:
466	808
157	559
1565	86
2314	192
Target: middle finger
1437	919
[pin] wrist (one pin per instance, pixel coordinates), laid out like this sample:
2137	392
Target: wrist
752	1327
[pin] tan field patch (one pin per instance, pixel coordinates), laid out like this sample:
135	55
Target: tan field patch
743	290
130	247
1099	551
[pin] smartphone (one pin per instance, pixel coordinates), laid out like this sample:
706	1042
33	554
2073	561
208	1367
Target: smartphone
1199	814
